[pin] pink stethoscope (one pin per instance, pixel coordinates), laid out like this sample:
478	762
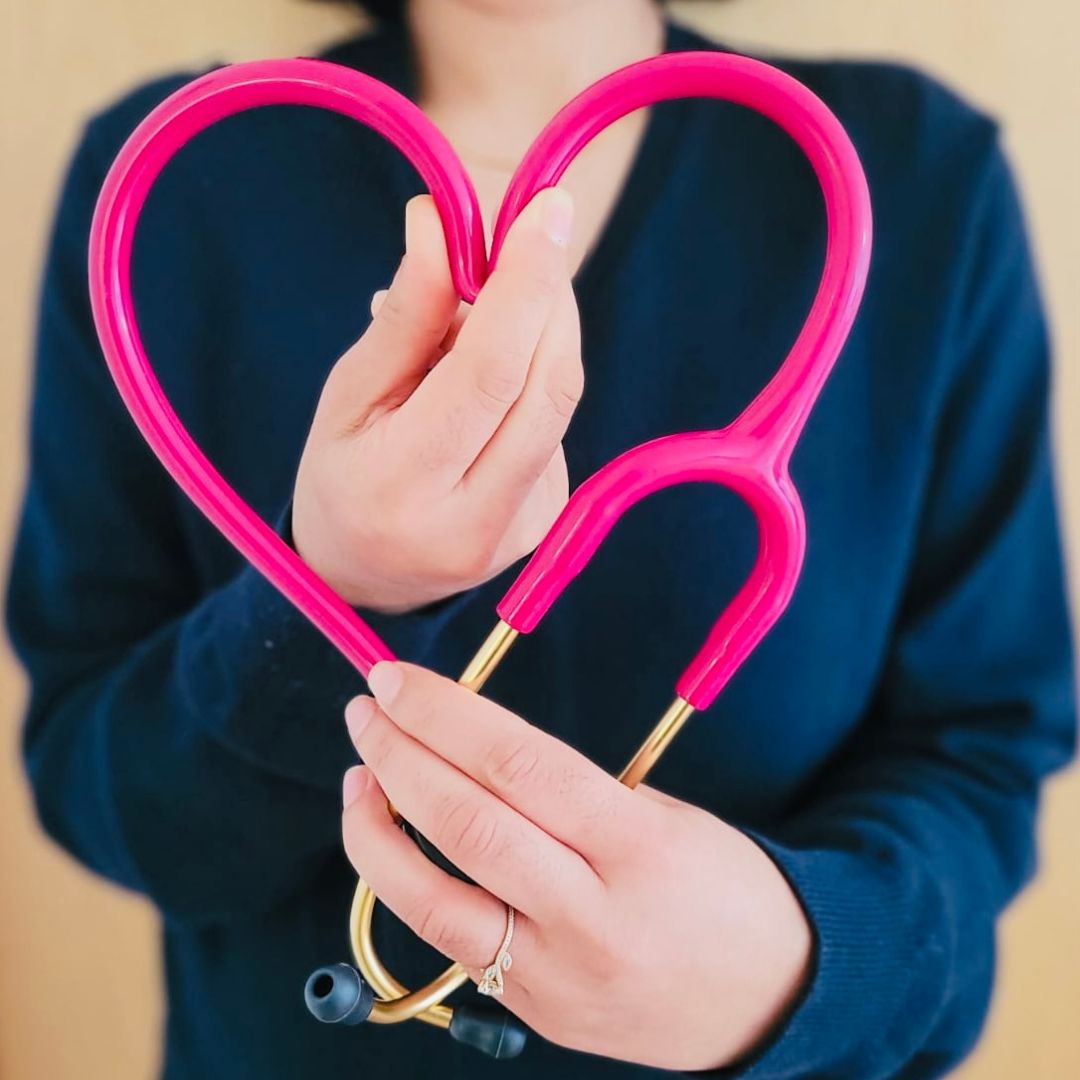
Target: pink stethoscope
750	456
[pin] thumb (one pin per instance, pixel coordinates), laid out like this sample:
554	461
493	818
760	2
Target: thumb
410	322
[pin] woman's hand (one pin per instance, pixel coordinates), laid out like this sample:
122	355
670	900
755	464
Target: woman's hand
419	481
647	929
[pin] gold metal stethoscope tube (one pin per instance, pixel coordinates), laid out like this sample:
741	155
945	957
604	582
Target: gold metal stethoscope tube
395	1002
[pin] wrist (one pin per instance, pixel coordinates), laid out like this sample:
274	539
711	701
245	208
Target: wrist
784	962
382	597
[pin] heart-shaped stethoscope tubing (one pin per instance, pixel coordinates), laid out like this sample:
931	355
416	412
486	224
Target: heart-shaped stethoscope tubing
750	456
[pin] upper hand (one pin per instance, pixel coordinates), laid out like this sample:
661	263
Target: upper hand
434	459
647	929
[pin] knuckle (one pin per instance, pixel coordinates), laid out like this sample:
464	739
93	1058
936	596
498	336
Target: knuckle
429	921
545	282
564	396
467	829
378	746
535	267
422	707
499	384
546	270
513	765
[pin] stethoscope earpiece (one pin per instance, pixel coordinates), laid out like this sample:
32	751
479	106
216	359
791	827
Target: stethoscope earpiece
338	995
489	1028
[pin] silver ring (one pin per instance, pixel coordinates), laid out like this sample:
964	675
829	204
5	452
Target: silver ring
491	982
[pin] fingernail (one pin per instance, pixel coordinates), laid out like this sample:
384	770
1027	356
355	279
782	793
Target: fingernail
377	300
384	681
353	784
558	215
358	714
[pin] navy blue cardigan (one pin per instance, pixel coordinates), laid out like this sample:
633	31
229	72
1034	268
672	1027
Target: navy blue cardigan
886	743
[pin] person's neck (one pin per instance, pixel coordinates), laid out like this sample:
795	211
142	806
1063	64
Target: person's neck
515	64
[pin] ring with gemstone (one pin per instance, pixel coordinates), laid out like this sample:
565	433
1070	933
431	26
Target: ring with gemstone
491	982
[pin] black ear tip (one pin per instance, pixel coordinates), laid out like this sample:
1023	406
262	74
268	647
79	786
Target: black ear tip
490	1029
337	995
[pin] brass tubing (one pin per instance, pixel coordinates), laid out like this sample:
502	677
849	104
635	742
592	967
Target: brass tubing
398	1003
652	749
482	666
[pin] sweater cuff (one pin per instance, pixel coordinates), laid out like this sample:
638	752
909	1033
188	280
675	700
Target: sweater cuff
868	940
270	685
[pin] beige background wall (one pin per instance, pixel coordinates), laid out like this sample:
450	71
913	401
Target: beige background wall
64	935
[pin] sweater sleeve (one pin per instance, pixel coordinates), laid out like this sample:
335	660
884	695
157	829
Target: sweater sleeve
907	847
184	743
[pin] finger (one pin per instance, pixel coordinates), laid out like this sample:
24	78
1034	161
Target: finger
447	343
453	414
456	324
462	921
517	454
492	843
532	520
410	320
556	788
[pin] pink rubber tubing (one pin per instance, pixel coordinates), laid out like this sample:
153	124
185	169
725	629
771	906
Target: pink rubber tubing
750	456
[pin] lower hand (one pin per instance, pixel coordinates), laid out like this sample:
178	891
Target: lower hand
647	929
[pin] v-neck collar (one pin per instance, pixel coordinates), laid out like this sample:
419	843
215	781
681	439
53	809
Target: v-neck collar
387	54
652	163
